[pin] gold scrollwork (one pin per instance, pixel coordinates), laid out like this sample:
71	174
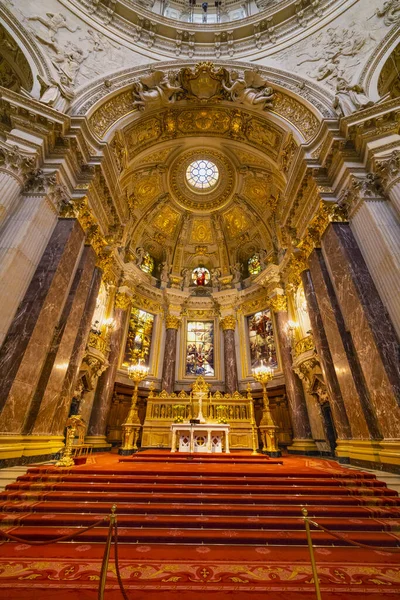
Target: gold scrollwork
278	303
228	322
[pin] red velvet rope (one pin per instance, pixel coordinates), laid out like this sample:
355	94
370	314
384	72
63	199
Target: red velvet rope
359	544
64	538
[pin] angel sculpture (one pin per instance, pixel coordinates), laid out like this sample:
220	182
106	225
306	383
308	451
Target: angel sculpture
154	90
187	277
251	91
139	255
236	271
164	272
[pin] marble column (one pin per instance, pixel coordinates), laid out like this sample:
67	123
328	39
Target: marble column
172	324
373	336
303	442
228	326
29	338
50	406
96	434
336	401
363	422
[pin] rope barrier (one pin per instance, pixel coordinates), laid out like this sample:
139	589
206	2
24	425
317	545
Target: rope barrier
64	538
353	543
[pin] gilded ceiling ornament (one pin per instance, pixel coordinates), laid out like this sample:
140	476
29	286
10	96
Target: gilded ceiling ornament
278	303
228	323
201	232
158	157
166	220
298	114
110	112
236	221
257	189
147	188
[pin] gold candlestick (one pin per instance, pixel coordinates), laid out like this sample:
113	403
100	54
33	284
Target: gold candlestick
131	427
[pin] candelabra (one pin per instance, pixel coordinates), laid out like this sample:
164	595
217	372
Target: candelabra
131	427
263	375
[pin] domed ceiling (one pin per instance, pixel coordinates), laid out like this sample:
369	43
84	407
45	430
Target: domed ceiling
201	198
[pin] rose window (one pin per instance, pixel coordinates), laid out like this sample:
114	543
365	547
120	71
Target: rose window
202	174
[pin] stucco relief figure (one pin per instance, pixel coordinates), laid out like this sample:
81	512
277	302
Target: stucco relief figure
53	23
187	277
390	12
349	98
252	90
164	272
154	90
236	272
215	275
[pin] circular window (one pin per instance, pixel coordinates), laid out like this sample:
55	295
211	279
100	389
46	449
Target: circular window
202	174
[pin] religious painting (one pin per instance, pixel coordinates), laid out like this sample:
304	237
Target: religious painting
200	276
261	338
200	348
138	342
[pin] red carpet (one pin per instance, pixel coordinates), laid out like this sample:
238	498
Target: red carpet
213	526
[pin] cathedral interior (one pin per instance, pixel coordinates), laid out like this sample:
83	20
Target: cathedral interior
200	233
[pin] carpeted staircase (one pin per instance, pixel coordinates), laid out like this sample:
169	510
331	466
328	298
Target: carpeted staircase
236	506
243	499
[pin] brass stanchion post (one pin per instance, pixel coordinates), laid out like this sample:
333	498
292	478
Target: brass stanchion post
311	550
106	555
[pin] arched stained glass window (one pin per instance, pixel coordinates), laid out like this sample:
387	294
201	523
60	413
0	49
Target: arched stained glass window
147	263
200	276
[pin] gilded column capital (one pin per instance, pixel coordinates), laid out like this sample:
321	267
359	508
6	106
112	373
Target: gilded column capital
228	322
122	301
172	322
278	303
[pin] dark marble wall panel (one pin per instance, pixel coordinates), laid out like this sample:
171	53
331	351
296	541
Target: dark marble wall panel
294	388
46	415
231	377
336	401
29	338
373	335
168	374
105	387
349	376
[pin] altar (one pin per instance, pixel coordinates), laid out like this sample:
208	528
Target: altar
200	437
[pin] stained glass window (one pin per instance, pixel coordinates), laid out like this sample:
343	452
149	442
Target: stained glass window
200	276
147	263
261	337
254	264
138	342
202	174
200	348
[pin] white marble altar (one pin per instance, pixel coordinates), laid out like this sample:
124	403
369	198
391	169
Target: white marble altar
201	437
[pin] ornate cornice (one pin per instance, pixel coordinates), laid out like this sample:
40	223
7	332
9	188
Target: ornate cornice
123	301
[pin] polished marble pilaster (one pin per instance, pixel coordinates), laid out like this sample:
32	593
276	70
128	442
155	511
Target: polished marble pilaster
373	336
294	388
96	433
23	239
50	405
349	376
10	188
376	227
336	401
30	335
